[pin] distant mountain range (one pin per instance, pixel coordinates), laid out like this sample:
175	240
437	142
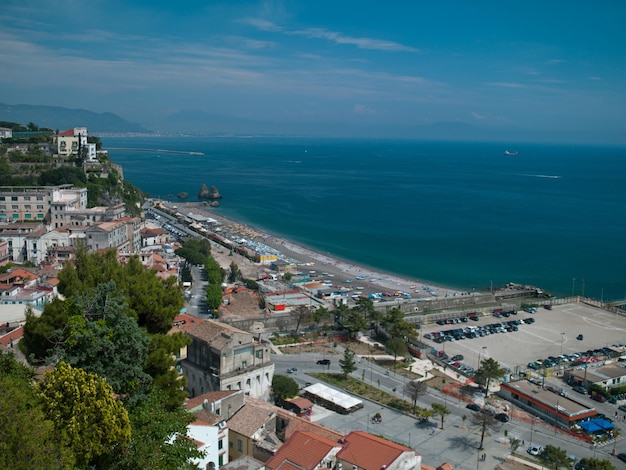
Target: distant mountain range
57	117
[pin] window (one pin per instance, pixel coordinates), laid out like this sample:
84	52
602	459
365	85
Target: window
14	207
3	206
40	198
27	207
27	198
239	445
28	216
220	444
39	207
244	364
13	198
230	444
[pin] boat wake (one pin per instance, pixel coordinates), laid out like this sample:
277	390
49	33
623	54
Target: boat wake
554	177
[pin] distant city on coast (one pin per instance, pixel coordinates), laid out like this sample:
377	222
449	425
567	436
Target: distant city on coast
464	215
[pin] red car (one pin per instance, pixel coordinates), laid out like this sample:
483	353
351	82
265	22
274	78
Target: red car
599	398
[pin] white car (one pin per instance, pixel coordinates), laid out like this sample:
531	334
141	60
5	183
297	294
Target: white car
535	450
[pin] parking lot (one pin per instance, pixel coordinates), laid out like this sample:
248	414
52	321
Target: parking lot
553	333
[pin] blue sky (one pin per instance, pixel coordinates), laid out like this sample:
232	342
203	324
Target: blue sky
525	69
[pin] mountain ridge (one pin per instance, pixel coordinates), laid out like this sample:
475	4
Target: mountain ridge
58	117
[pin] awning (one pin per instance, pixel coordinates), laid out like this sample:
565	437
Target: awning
596	425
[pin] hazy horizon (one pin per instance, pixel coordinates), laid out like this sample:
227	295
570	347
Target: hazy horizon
346	69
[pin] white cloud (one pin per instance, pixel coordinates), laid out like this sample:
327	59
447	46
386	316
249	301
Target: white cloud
595	78
332	36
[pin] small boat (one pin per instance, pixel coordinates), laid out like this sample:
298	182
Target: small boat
512	154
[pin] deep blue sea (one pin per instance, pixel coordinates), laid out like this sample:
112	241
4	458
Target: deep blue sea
458	214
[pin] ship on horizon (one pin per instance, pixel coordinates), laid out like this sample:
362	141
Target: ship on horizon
513	154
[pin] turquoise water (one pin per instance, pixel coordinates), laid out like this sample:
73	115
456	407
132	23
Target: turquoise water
458	214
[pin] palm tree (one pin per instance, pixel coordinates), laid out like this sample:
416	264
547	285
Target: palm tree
489	370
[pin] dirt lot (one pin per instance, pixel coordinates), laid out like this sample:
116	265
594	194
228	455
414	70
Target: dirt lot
553	333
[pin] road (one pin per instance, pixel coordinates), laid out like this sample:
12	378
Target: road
456	444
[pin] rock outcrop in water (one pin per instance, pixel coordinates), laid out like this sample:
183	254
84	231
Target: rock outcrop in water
182	195
206	193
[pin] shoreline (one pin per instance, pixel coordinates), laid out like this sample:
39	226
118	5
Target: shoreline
340	270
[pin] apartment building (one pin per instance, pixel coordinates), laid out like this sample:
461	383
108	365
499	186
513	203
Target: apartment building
222	357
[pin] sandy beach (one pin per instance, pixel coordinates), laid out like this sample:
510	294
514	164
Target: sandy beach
339	270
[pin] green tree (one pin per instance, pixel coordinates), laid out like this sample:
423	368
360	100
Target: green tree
214	296
287	277
284	387
234	273
319	315
27	438
161	365
85	414
104	340
353	321
397	347
597	464
415	389
43	334
347	364
556	457
157	440
488	371
440	410
367	310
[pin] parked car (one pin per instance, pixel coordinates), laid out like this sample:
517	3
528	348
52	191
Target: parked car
580	389
547	307
458	357
599	398
324	362
535	450
622	408
502	417
622	456
579	337
473	407
292	370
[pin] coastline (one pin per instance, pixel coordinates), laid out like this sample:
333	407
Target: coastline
339	269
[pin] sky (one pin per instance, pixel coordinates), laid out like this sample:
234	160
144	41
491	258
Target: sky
529	70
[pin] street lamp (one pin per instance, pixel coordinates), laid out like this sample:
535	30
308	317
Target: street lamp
484	352
562	336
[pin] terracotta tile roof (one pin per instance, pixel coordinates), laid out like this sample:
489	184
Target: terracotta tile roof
206	417
301	403
370	452
427	467
301	424
211	332
68	133
250	418
304	450
445	466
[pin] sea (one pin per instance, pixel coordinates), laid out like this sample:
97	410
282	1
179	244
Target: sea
457	214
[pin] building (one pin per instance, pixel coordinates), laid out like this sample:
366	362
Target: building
222	357
556	408
71	141
35	203
5	133
305	450
608	376
364	451
213	410
123	234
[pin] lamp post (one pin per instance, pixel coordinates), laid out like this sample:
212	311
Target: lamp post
562	336
532	427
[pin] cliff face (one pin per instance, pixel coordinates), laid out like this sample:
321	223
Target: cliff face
206	193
